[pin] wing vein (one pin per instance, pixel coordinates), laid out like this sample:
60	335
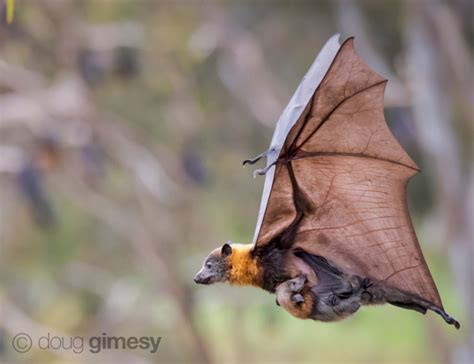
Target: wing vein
326	118
304	154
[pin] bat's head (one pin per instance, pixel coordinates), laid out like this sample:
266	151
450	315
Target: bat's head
216	266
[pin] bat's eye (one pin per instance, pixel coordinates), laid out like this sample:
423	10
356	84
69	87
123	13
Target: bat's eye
208	265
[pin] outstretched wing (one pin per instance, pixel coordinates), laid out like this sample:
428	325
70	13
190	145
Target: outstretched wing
340	182
292	113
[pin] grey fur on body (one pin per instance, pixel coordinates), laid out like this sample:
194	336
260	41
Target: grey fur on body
338	295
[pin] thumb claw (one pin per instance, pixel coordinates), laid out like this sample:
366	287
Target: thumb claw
256	159
257	172
264	171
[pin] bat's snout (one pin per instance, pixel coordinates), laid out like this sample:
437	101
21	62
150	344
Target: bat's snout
199	279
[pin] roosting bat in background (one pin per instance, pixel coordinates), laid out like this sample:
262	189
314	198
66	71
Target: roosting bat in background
333	231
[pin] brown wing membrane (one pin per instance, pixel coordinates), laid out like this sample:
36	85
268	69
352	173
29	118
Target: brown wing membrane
353	175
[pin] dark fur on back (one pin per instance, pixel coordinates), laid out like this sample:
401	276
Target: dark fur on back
272	262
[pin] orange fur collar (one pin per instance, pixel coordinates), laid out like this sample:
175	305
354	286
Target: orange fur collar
243	268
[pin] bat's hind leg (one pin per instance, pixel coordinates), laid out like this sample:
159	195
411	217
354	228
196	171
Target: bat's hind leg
379	294
422	306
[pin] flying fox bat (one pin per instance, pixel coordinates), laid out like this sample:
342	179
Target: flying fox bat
333	231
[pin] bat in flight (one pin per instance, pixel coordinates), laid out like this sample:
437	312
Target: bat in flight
333	231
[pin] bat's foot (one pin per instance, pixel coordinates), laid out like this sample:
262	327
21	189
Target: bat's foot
402	299
258	157
262	172
449	320
453	321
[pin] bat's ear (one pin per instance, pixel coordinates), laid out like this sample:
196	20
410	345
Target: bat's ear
226	250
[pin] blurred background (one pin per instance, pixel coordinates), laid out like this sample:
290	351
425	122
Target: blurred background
123	125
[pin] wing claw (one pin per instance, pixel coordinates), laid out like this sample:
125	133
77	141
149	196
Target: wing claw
257	158
262	172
